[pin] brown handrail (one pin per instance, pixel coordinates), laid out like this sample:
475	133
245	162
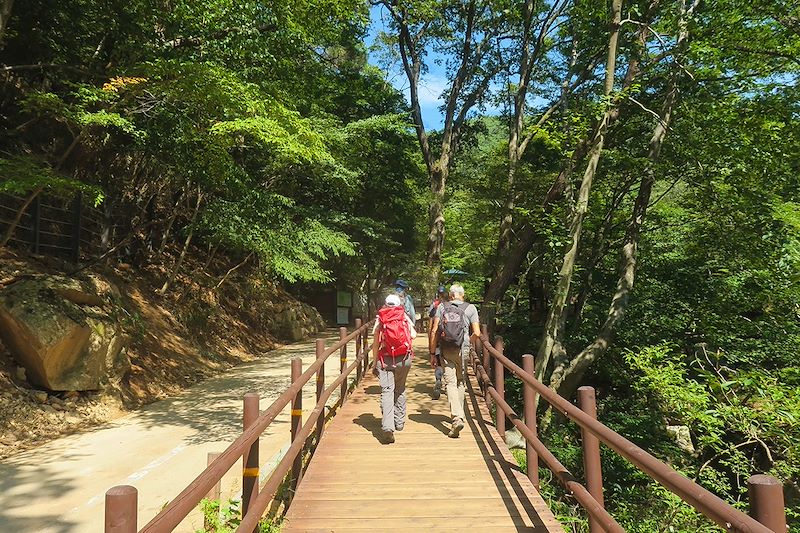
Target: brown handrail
267	492
172	515
564	476
707	503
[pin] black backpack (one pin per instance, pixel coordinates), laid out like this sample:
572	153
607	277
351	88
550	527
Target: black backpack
451	326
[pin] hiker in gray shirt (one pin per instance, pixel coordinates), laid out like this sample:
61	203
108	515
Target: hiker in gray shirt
453	355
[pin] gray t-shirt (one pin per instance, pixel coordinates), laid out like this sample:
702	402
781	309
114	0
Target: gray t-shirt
470	317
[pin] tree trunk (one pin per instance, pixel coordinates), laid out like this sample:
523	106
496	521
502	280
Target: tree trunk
232	270
212	251
599	249
568	373
555	319
186	243
436	215
5	14
507	269
170	222
515	131
412	36
511	253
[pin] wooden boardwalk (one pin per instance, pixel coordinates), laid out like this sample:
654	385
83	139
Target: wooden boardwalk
425	481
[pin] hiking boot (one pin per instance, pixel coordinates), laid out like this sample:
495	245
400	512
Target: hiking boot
388	437
456	428
437	390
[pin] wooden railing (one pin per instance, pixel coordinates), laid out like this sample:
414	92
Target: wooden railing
766	493
121	501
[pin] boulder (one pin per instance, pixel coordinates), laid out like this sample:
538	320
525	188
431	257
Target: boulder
61	333
514	439
682	436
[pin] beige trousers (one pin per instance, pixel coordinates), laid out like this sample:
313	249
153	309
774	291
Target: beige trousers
452	362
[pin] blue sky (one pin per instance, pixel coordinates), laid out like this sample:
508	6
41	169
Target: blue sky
431	85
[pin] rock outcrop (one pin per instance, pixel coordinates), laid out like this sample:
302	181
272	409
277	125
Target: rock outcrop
63	332
294	321
683	437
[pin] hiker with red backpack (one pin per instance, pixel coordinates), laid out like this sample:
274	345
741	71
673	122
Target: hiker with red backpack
454	324
392	354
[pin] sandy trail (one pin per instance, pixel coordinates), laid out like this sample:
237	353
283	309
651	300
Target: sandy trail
60	487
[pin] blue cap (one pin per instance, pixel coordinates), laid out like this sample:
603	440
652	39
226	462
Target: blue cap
401	283
442	289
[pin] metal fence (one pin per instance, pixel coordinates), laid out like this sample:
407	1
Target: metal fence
67	228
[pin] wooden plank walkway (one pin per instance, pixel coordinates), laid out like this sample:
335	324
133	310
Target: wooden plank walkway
425	481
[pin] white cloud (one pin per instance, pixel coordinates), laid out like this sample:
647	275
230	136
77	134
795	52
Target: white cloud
430	90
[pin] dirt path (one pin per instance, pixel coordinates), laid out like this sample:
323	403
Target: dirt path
60	487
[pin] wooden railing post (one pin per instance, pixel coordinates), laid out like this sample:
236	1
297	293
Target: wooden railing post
487	357
366	346
343	362
297	420
358	351
591	454
478	357
500	387
214	493
121	509
529	396
320	349
766	502
250	459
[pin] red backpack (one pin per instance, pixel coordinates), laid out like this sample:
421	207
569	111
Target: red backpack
395	335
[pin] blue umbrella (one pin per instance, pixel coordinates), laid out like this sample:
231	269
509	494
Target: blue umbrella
454	272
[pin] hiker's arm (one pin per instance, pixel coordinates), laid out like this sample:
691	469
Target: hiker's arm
476	330
376	341
432	340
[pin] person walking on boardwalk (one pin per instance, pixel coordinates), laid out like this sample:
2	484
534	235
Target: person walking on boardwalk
392	354
401	288
454	324
441	297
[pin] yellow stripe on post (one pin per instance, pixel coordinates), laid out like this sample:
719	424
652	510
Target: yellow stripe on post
250	472
297	412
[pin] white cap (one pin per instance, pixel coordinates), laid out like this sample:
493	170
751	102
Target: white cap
392	299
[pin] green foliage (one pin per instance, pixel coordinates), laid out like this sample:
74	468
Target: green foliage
266	116
552	493
743	420
289	246
22	175
225	518
220	518
105	119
